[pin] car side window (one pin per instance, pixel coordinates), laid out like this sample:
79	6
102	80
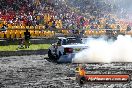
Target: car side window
59	42
64	42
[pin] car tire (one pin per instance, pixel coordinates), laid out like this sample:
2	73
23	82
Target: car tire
56	57
50	54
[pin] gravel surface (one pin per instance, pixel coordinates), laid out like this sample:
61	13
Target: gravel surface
38	72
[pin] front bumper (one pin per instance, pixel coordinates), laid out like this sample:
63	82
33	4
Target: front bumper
66	58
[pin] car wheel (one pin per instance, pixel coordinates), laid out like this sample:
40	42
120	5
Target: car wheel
58	56
50	54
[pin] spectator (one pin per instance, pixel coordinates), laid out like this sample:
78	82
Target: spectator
128	28
4	27
107	26
27	38
118	26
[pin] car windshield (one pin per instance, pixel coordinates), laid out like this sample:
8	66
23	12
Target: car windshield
73	40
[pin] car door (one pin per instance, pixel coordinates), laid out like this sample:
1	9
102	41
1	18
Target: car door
61	48
57	45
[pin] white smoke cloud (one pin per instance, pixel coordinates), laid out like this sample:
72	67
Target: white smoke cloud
103	51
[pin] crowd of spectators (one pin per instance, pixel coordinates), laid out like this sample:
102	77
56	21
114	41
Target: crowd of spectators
55	14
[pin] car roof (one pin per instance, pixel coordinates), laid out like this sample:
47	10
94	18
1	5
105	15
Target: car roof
61	38
71	37
65	37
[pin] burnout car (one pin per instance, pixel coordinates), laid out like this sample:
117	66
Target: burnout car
65	49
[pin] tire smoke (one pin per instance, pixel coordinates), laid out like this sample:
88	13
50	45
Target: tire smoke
106	51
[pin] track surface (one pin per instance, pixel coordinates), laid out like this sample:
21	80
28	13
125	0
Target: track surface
37	71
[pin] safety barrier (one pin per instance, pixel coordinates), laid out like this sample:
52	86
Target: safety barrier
94	32
10	27
35	33
106	31
11	34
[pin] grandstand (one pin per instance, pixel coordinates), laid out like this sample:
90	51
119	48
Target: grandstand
43	18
